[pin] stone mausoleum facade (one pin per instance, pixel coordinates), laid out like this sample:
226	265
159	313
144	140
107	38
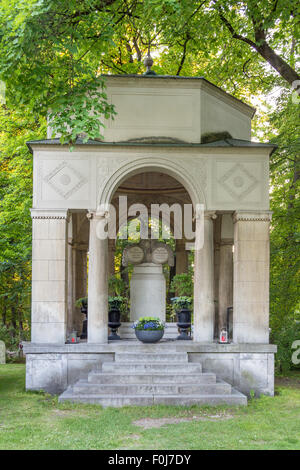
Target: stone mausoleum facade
154	151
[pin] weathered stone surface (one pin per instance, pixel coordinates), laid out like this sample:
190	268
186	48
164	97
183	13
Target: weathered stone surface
102	388
147	292
2	352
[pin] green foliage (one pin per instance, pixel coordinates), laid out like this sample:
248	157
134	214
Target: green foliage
285	229
82	302
36	420
53	52
149	323
16	127
116	286
115	302
183	284
181	302
284	338
10	339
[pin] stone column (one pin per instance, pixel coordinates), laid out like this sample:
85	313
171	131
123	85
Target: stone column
80	287
97	283
225	282
181	257
251	277
204	283
49	275
225	287
71	299
217	238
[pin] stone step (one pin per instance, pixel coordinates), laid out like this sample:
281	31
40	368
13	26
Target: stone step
175	367
235	398
151	357
155	389
153	378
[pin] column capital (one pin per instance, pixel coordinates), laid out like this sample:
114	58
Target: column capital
50	214
97	215
210	215
252	216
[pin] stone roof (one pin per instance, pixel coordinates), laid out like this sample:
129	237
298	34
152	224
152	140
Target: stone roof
219	143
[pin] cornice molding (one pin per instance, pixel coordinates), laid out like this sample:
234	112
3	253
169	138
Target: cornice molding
252	216
50	214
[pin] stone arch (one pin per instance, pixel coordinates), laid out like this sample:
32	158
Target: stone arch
147	164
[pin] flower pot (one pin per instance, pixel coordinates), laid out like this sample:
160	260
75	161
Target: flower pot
149	336
184	323
114	323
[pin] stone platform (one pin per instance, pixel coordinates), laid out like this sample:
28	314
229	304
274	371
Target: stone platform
246	367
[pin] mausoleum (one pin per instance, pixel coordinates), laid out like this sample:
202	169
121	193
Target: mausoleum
174	140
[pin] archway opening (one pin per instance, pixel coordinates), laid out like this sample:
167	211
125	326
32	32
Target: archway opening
164	192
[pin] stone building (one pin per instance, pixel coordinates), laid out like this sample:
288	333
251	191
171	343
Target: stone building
158	149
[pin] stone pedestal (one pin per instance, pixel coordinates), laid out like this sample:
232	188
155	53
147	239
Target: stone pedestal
147	292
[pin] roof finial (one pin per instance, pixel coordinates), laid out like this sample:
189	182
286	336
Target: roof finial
148	62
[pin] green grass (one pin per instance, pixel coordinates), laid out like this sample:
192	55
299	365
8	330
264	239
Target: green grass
30	420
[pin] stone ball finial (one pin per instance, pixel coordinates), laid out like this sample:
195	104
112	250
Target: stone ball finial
148	62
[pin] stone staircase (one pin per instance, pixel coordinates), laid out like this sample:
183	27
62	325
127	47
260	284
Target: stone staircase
147	378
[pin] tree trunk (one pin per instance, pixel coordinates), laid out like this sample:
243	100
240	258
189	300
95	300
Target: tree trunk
282	67
13	316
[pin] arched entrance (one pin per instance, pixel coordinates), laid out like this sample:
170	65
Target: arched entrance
150	181
150	190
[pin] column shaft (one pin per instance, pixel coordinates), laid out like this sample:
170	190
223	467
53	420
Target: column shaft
97	284
251	277
80	288
225	282
204	284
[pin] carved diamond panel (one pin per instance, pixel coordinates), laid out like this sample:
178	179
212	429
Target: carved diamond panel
238	181
65	179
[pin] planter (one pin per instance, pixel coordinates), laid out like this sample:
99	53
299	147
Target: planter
114	323
149	336
184	323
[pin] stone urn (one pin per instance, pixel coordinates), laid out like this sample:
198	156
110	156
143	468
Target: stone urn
114	317
149	336
184	323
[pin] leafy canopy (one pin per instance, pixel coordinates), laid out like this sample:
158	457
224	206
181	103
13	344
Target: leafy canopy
53	52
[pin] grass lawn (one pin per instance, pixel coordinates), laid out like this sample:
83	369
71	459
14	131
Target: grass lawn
31	420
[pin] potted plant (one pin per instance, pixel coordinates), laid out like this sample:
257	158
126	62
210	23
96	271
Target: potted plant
182	306
182	286
82	303
149	329
114	315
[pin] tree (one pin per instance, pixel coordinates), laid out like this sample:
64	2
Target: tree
53	52
15	223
